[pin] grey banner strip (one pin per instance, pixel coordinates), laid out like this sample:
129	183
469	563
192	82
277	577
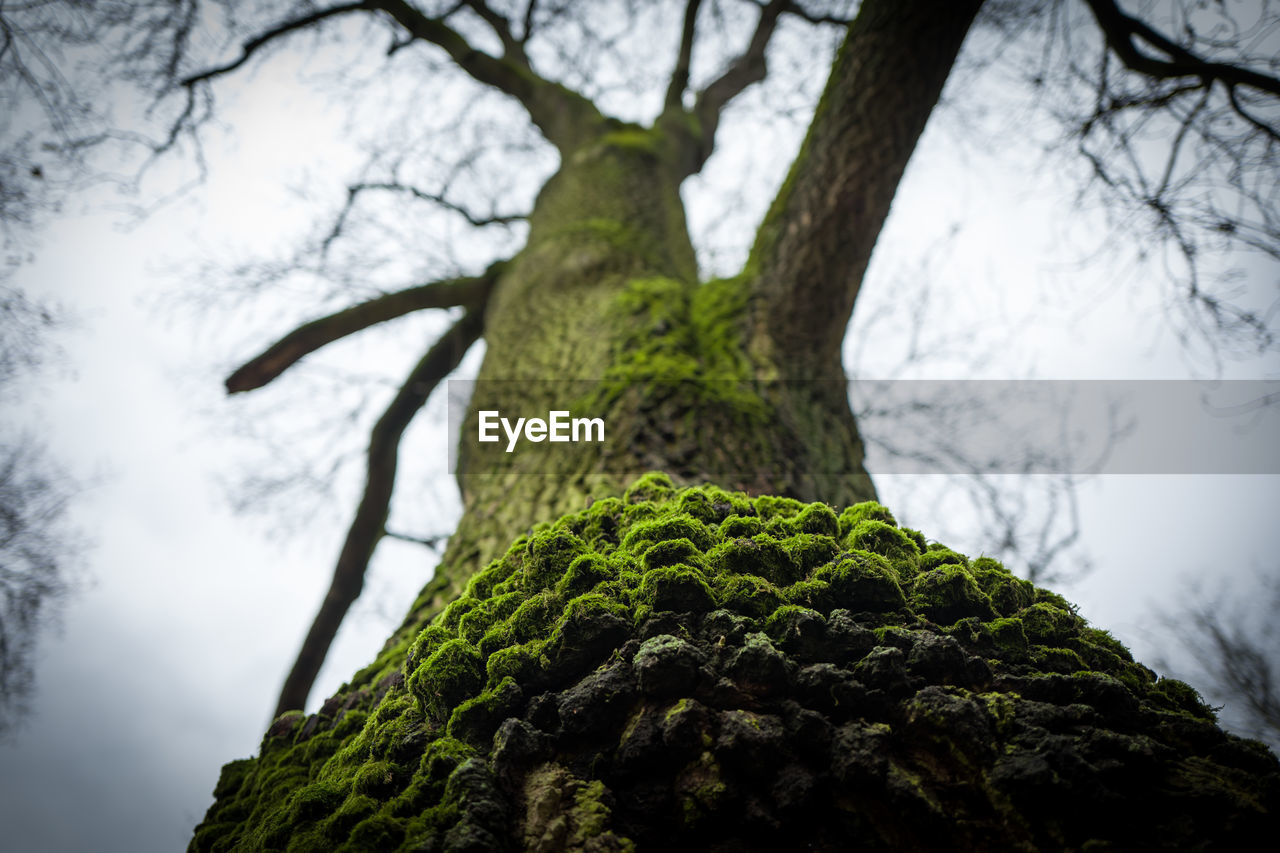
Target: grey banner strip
1014	426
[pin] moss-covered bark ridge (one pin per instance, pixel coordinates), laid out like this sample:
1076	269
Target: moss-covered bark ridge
742	673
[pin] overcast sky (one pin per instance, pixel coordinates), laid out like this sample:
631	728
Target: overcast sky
171	650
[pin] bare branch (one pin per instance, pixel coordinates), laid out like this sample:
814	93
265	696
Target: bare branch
562	115
253	45
1121	30
804	14
306	339
511	46
748	68
527	28
368	525
680	74
355	190
432	542
814	245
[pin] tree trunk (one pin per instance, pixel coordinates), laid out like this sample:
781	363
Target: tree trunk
737	381
768	672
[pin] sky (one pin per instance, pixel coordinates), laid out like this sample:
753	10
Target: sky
166	658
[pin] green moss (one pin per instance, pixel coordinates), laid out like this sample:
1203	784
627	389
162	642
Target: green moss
377	779
533	618
475	720
683	589
654	487
813	593
749	595
316	801
453	672
521	663
673	552
583	574
1047	623
1008	594
550	555
770	507
887	541
666	529
633	139
948	593
761	555
852	516
808	551
1180	696
861	580
1065	661
1009	638
475	623
740	527
938	555
399	764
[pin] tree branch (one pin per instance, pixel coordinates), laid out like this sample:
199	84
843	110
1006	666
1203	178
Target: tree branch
422	195
562	115
527	27
368	525
306	339
253	45
1121	30
813	247
511	47
748	68
680	74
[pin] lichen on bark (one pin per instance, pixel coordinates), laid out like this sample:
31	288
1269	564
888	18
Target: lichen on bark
696	666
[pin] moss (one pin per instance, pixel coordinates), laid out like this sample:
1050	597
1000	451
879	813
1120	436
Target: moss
673	552
1180	696
533	618
1065	661
948	593
1008	594
852	516
1009	638
453	672
860	580
683	589
377	779
475	623
1047	623
584	573
938	555
666	529
654	486
521	663
482	583
814	594
475	720
749	595
770	506
550	555
740	527
316	801
808	551
761	555
632	139
887	541
596	639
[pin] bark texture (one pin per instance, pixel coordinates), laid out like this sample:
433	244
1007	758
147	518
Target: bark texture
718	672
